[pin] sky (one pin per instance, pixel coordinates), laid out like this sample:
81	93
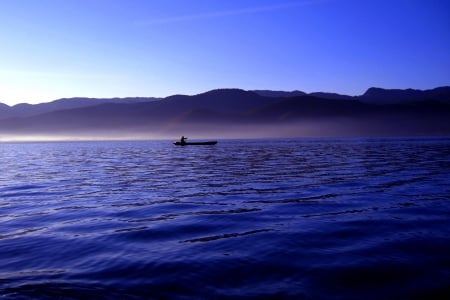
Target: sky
53	49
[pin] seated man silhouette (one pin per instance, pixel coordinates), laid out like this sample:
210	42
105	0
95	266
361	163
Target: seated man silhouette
183	140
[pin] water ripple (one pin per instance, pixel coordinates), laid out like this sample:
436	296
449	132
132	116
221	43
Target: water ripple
225	236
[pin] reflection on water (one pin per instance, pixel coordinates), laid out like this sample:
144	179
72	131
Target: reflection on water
314	218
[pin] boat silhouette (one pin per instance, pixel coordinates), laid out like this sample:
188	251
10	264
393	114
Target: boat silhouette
178	143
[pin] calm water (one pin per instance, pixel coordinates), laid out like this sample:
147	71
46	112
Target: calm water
300	219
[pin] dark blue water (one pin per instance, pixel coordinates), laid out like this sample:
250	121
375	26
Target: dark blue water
300	219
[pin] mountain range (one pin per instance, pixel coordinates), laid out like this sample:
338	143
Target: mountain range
237	113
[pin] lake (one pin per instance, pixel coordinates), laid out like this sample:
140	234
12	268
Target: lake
288	219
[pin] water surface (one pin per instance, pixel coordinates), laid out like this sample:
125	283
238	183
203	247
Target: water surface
313	219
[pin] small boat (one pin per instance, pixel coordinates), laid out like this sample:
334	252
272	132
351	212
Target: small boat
178	143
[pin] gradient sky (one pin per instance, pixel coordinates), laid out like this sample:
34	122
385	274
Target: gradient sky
52	49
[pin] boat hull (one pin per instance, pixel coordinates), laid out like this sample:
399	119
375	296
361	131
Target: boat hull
195	143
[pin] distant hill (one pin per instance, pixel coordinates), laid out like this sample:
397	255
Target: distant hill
25	110
331	96
309	107
390	96
220	100
279	94
235	112
283	94
4	111
225	102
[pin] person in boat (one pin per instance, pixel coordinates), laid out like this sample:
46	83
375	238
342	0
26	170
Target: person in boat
183	140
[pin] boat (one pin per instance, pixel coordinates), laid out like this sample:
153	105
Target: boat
178	143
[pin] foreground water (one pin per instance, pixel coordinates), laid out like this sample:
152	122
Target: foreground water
314	219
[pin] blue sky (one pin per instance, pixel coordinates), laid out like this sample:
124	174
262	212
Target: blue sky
52	49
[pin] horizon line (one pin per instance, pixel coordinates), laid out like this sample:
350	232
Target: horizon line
229	88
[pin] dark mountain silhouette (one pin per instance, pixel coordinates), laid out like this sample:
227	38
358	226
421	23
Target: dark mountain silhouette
25	110
283	94
331	96
307	107
385	96
4	111
220	100
234	111
177	108
372	95
279	94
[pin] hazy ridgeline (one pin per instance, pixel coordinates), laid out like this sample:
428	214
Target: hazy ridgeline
234	113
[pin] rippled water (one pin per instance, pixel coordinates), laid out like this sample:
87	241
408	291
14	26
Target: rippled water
314	219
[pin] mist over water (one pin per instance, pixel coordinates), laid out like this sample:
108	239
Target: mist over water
288	218
309	128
